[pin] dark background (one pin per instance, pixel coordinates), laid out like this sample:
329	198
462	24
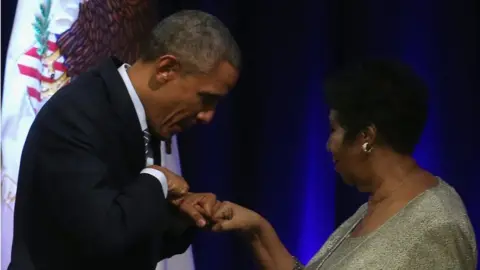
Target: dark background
266	146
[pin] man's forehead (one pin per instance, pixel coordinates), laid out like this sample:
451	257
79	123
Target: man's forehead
221	79
226	73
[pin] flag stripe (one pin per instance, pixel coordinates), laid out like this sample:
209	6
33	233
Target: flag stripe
34	93
34	73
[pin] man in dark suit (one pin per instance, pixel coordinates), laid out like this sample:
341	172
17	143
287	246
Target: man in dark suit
89	194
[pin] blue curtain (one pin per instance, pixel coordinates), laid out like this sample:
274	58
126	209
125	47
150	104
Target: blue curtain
266	146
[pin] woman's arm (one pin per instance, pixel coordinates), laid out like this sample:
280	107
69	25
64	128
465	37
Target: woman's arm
269	251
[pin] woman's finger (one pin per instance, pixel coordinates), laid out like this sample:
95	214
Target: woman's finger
224	212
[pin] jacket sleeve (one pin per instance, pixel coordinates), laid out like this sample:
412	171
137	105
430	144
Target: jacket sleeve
100	220
178	236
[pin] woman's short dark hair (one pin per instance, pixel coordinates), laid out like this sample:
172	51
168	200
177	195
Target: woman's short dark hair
387	94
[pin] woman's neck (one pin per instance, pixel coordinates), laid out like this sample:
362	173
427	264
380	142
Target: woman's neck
392	172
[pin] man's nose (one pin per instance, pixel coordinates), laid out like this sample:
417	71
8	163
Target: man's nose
206	116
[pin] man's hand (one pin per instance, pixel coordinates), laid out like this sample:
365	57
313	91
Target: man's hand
177	186
197	206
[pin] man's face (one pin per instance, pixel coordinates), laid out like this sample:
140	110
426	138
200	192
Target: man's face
185	100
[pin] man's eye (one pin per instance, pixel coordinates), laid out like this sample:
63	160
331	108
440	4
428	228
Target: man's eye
209	100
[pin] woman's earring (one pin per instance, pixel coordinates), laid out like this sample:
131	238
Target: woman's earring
367	148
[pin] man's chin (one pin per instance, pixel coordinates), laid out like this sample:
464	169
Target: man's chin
177	130
159	135
165	135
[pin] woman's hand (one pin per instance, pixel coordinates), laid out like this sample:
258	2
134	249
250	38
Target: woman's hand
267	247
228	216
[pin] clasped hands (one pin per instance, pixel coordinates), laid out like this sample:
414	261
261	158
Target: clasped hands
205	210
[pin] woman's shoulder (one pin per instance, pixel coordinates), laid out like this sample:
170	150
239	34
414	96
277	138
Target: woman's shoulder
439	204
437	223
439	212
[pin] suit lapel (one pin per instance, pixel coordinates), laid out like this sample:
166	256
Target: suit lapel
124	108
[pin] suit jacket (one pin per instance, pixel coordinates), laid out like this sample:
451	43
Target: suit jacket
81	200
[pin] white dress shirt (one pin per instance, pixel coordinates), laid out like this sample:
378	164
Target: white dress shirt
143	124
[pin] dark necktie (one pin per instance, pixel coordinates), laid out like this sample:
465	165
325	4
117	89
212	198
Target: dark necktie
152	148
146	140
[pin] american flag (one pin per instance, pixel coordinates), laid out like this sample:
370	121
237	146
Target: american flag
44	74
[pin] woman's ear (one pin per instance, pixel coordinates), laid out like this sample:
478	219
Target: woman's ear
369	135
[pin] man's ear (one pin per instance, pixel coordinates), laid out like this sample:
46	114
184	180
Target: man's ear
167	68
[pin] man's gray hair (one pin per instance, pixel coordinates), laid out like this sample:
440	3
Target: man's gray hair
199	40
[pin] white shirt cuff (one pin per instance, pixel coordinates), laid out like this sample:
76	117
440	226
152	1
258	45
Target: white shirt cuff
160	176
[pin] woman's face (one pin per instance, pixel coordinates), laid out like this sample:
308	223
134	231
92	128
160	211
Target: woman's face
350	161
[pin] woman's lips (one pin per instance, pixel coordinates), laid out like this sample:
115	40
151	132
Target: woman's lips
335	164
